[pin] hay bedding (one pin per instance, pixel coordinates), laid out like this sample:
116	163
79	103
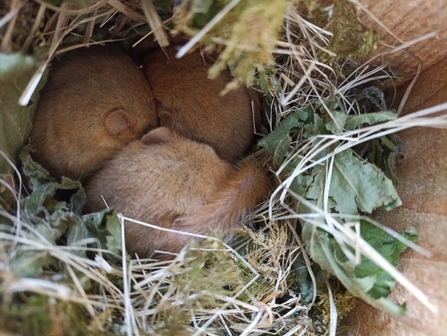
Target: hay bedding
263	282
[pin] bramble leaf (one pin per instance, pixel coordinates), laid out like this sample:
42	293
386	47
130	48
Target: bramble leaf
366	280
357	184
340	118
15	121
278	142
354	121
106	227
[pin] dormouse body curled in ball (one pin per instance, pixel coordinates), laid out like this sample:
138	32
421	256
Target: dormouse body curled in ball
192	104
95	101
170	181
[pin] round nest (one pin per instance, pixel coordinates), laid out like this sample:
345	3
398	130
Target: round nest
298	261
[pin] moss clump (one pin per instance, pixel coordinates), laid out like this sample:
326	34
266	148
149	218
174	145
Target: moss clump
343	300
350	37
39	315
203	281
245	36
210	271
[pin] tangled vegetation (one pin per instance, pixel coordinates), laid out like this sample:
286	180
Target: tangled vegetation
301	256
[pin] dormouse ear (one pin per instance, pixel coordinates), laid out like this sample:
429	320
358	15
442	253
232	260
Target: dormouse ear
117	122
164	115
157	136
165	118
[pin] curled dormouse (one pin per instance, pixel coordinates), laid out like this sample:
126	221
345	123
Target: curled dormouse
95	101
191	104
173	182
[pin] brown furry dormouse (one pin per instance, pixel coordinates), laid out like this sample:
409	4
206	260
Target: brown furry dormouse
173	182
191	104
95	101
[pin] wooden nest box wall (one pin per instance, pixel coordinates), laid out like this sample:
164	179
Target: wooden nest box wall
423	170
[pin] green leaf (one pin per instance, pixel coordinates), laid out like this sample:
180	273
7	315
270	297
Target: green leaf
301	184
106	227
282	147
53	209
356	185
291	165
204	11
264	82
384	153
366	280
313	128
354	121
388	247
303	281
30	262
15	121
278	142
47	192
315	191
340	118
76	233
359	185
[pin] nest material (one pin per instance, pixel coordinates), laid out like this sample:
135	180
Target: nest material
273	286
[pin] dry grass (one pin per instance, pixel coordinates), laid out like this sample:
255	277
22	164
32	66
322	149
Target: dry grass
207	289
